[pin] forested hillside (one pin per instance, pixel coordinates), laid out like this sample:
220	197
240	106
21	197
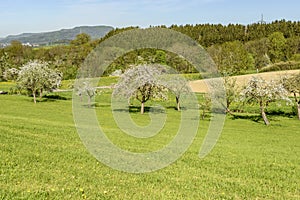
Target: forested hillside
235	48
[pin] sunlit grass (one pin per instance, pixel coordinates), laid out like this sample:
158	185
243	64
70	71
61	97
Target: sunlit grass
42	157
5	86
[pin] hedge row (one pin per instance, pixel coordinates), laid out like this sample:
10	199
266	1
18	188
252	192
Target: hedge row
290	65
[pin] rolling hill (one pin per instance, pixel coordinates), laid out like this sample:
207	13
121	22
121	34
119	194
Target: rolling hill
60	36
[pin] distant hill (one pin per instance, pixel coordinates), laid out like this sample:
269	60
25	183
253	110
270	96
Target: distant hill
57	37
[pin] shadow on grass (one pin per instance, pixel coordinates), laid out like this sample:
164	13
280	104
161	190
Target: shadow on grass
281	113
272	114
47	98
175	108
55	97
172	107
137	109
98	105
252	117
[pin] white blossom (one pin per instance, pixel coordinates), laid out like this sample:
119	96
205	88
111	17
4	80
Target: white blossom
37	77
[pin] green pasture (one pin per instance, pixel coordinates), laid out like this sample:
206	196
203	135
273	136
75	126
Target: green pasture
42	156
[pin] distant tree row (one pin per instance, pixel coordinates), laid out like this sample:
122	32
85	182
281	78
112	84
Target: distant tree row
211	34
235	49
65	58
237	57
145	82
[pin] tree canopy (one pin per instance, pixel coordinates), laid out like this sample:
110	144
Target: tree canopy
262	92
36	77
292	84
231	58
141	82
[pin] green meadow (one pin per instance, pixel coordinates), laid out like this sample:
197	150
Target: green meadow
42	156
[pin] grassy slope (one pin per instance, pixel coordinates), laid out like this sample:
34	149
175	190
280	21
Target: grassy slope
42	157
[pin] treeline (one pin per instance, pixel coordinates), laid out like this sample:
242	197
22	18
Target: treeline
235	49
212	34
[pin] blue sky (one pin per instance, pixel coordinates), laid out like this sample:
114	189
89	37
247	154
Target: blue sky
19	16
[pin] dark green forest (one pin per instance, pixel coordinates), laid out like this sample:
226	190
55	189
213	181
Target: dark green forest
235	48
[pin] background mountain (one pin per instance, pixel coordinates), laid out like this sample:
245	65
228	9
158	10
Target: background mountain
58	37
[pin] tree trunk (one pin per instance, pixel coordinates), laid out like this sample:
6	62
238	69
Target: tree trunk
203	114
178	103
298	109
297	105
41	94
142	108
89	101
264	116
34	97
228	111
